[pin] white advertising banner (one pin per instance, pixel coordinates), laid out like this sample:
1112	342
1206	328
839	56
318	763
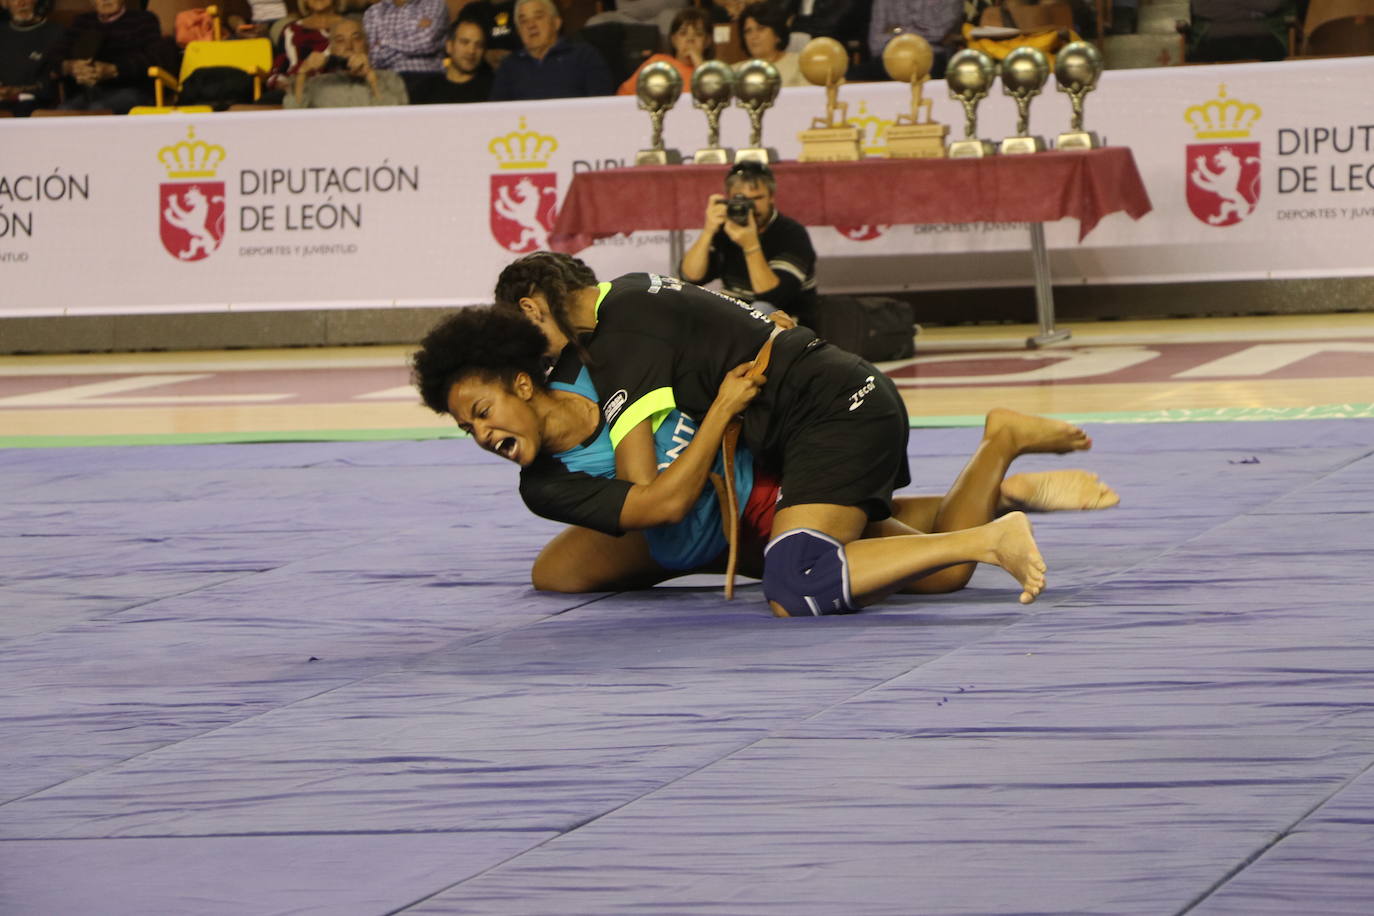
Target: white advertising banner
1255	171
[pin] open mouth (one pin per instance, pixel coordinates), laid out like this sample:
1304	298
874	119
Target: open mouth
506	448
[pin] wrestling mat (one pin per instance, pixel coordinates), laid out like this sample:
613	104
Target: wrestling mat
311	678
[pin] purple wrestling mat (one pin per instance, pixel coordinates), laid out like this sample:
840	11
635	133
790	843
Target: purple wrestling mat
311	678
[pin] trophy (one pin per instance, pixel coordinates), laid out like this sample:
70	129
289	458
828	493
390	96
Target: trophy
713	84
907	59
756	86
1024	73
831	138
658	87
969	77
1076	70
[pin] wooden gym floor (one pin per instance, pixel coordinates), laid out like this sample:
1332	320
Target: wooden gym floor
1277	367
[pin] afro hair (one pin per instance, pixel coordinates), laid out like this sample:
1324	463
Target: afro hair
485	341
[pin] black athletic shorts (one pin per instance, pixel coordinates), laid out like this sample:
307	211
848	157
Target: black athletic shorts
839	433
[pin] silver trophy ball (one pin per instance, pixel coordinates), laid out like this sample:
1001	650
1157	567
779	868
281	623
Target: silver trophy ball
713	84
756	84
658	86
969	75
1077	67
1025	72
1076	70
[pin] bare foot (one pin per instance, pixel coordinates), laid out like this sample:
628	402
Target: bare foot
1050	491
1035	434
1013	548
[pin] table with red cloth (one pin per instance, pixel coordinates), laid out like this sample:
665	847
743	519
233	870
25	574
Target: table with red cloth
1035	188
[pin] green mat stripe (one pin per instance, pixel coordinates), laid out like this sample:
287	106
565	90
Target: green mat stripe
1200	415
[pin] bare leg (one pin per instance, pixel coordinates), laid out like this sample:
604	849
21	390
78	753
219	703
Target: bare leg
1051	491
880	566
976	494
581	560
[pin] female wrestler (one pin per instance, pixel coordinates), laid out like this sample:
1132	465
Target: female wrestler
496	352
484	367
831	425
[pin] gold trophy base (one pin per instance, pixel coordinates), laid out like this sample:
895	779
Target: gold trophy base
756	153
831	144
1016	146
971	149
1078	139
714	155
658	157
916	141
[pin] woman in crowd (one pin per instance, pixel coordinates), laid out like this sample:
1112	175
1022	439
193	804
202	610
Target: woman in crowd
497	356
830	425
690	37
765	30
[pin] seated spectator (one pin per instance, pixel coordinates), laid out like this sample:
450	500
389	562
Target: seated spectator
252	18
691	41
727	10
407	37
498	18
725	29
466	77
659	13
26	81
1226	30
548	67
105	55
846	21
303	37
933	20
765	30
344	78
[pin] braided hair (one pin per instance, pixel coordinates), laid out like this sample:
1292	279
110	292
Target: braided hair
555	275
489	342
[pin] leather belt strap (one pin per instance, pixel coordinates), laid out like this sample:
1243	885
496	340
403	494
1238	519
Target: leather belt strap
725	489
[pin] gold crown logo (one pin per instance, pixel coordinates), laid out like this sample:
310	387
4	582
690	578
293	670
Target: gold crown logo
191	160
523	149
874	130
1222	118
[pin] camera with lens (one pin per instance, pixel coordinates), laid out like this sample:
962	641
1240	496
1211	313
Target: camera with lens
738	208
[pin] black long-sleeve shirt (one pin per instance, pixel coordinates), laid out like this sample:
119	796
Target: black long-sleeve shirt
133	43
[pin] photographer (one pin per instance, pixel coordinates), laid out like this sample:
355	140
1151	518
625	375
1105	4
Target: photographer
758	254
344	77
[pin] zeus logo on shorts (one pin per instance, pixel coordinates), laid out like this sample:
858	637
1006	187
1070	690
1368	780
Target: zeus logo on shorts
614	404
856	399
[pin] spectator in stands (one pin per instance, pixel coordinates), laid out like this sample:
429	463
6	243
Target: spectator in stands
407	37
466	77
253	18
765	30
548	67
344	78
498	18
934	20
727	10
658	13
691	41
846	21
303	37
104	57
768	259
26	80
1224	30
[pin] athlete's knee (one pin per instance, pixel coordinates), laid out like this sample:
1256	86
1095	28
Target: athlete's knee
551	573
805	573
